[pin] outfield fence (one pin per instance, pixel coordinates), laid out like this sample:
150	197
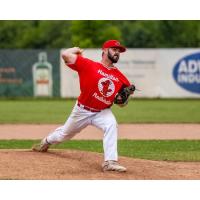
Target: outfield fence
163	73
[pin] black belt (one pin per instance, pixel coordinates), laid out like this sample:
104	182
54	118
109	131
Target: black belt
87	108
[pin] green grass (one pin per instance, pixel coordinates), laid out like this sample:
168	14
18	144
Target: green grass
167	150
138	111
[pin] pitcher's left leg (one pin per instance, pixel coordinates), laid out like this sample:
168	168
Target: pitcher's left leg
106	121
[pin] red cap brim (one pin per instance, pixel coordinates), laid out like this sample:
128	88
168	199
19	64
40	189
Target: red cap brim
122	48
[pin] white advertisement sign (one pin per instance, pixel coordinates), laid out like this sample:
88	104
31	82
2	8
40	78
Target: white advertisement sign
179	74
155	72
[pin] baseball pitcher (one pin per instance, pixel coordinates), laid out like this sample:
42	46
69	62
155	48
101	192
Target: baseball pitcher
101	85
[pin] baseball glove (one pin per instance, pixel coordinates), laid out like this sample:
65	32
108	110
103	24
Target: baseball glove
123	95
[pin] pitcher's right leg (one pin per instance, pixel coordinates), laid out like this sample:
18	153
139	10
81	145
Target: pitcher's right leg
72	126
78	120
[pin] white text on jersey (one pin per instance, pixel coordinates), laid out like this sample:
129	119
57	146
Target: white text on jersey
109	76
101	99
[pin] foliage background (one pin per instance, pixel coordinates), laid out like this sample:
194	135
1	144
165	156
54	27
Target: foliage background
92	33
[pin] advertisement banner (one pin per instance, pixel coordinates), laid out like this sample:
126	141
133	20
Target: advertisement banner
165	73
179	74
139	67
29	73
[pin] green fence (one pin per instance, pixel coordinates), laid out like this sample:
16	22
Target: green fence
16	72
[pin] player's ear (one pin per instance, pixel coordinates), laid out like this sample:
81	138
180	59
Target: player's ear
104	51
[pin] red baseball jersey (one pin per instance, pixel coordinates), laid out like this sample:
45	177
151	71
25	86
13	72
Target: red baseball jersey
98	84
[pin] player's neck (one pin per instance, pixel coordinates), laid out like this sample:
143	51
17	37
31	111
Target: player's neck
107	63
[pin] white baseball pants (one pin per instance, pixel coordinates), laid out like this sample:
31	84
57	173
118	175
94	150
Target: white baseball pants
81	118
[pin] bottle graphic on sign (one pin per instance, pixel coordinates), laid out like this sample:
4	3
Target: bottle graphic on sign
42	76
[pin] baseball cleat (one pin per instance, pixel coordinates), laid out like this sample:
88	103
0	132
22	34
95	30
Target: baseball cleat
112	165
42	147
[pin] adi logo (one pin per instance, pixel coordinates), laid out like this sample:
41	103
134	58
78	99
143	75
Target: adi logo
186	73
106	87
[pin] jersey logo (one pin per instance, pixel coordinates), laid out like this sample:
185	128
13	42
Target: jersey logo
106	87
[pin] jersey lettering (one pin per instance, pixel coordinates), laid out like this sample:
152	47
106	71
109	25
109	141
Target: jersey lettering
98	85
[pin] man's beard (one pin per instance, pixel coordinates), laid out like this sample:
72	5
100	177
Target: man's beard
114	58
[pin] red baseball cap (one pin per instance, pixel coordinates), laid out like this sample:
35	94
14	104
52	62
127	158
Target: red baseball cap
113	43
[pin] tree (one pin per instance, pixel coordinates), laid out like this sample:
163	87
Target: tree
139	34
11	32
35	34
179	33
47	34
91	34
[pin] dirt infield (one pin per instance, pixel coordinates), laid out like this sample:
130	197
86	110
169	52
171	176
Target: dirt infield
77	165
68	164
126	131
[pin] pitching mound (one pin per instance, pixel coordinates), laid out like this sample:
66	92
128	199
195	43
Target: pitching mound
71	164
